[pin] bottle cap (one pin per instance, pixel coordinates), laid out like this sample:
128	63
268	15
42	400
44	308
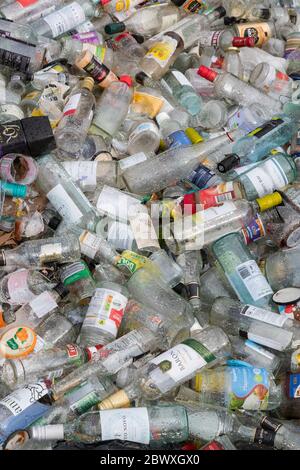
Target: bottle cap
88	83
114	28
289	295
221	11
49	432
14	189
17	342
116	400
178	3
269	201
243	42
207	73
74	272
141	77
193	135
162	117
104	2
126	79
121	36
39	135
232	160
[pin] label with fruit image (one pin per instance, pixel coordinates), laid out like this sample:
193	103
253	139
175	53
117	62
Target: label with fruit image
249	388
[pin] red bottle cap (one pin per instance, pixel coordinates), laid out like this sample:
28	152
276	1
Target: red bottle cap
207	73
120	36
104	2
126	79
243	42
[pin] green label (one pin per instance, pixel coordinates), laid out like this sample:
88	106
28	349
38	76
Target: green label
85	403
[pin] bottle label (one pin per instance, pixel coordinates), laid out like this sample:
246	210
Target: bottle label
17	286
178	139
72	105
90	37
18	61
257	348
43	304
84	173
144	127
279	344
267	177
263	315
97	70
294	388
143	231
132	160
253	280
12	110
126	424
264	437
249	388
65	19
106	310
260	31
209	38
131	260
254	231
162	51
176	365
50	252
89	244
201	176
215	195
64	204
74	272
145	103
266	128
181	78
20	399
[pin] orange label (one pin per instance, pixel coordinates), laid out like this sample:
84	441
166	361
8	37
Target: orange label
2	322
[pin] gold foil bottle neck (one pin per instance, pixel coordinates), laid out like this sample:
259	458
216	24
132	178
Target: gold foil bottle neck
116	400
88	83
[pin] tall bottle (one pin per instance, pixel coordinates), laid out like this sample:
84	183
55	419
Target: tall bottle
230	87
157	424
257	324
183	91
38	252
72	129
161	375
223	39
113	106
241	270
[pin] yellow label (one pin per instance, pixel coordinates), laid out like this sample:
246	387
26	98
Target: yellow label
58	68
122	5
260	31
146	103
31	95
252	133
162	51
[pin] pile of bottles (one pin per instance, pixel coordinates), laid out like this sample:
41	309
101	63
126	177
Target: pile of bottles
150	224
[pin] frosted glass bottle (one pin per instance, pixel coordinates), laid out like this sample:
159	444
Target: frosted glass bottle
242	270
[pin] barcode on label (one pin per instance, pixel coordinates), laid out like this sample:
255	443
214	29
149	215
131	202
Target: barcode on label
244	272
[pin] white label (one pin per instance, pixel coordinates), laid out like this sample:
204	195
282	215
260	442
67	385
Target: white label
120	236
259	349
125	424
132	160
268	342
143	230
89	243
181	78
214	212
43	304
243	169
71	106
18	289
117	204
106	310
267	177
65	19
264	315
254	281
50	252
209	38
85	173
175	366
64	205
22	398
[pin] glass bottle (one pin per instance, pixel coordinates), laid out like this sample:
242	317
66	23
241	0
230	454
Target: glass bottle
171	131
242	271
104	315
255	354
232	62
96	68
77	117
257	324
92	175
224	39
273	82
281	268
78	279
183	91
21	56
26	12
156	424
143	136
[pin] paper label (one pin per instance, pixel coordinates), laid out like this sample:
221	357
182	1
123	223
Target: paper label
20	399
209	38
64	204
162	51
181	78
117	204
85	173
254	281
145	126
249	388
65	19
18	289
125	424
132	160
179	363
43	304
71	106
263	315
215	195
106	310
82	398
267	177
146	103
260	31
219	211
294	389
143	230
89	244
50	252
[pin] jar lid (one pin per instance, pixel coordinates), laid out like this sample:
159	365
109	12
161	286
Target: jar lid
288	295
17	342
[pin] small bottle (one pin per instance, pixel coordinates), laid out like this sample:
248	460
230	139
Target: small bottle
104	315
38	252
161	375
156	424
182	91
143	136
256	324
77	117
113	106
22	286
28	12
76	277
242	271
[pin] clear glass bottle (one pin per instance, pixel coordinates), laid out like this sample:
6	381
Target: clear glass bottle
78	279
170	369
104	315
255	354
273	82
232	62
77	117
183	91
242	271
143	136
282	268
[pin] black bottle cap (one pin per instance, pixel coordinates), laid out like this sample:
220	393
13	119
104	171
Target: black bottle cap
230	161
39	135
141	77
139	38
114	28
221	11
229	20
54	222
178	3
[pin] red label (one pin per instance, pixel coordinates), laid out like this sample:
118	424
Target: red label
116	316
213	445
72	350
26	3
